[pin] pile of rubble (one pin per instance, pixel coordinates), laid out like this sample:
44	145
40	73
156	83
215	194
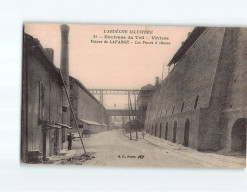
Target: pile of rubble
77	159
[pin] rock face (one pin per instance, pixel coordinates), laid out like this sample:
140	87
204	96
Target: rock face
203	96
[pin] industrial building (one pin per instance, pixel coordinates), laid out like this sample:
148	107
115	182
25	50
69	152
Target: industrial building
202	102
143	98
46	115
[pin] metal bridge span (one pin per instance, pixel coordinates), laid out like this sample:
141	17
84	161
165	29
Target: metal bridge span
102	92
119	112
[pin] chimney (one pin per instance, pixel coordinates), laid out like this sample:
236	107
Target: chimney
36	41
49	53
64	60
157	81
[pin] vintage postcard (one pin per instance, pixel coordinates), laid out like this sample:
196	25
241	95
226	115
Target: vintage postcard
132	95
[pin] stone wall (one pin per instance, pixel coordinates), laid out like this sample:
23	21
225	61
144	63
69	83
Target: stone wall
192	78
235	106
214	71
193	75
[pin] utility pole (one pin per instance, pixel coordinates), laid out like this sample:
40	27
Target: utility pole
132	109
135	115
129	103
135	103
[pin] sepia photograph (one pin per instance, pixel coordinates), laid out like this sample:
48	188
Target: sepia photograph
134	95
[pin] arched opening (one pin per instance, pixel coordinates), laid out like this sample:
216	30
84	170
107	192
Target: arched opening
174	131
239	135
186	132
166	132
160	130
155	131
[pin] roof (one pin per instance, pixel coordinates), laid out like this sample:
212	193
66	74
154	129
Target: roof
147	87
34	43
89	122
195	34
57	125
64	125
85	89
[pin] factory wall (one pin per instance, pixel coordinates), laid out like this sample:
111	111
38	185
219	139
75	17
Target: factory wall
235	106
207	87
227	103
188	87
87	107
172	128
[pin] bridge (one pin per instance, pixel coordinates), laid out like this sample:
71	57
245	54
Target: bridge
119	112
102	92
115	91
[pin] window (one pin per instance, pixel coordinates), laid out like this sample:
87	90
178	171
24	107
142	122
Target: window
182	107
41	100
80	126
59	109
196	102
71	98
65	108
173	109
59	104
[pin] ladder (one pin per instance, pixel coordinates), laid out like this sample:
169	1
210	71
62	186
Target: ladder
72	110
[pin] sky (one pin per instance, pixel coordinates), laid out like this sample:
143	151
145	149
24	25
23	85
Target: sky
117	66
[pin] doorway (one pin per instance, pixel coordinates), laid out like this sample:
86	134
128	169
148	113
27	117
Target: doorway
44	146
174	131
56	142
186	132
155	131
238	136
166	131
160	130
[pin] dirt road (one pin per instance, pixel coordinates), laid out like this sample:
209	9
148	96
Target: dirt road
112	148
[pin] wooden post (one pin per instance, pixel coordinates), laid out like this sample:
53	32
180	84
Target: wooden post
135	115
129	101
